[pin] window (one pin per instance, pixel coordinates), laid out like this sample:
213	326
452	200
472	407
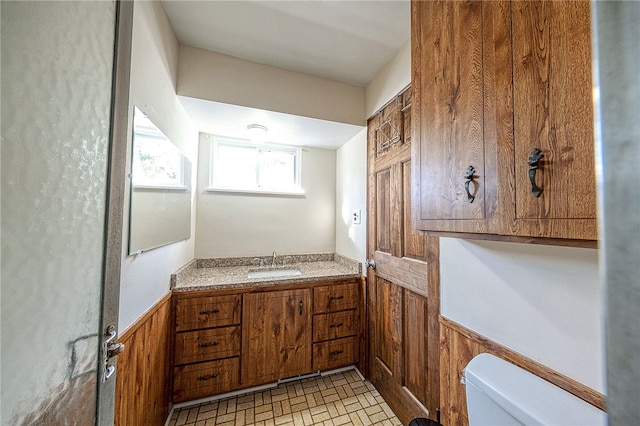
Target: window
243	166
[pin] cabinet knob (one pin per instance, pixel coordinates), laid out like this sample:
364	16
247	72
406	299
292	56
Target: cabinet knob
534	159
468	176
370	263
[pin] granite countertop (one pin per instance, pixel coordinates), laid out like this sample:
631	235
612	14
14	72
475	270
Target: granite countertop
209	274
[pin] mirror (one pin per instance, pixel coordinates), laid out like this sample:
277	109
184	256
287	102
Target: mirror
160	211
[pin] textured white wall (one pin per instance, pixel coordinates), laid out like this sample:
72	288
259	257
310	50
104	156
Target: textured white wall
221	78
351	194
544	302
154	64
57	60
232	224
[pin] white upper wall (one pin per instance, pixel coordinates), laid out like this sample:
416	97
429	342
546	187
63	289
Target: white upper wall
544	302
154	65
236	224
351	195
394	77
216	77
351	160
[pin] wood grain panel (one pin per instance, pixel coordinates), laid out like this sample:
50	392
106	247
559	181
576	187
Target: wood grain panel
335	353
414	241
335	298
448	133
335	325
553	108
143	378
408	273
407	114
415	345
433	327
208	344
276	335
388	338
202	312
458	345
383	212
452	110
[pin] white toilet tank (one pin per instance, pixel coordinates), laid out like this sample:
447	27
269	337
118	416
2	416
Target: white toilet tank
499	393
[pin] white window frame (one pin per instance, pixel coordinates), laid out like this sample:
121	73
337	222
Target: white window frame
147	130
214	186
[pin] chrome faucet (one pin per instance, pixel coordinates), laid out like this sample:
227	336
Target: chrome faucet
273	261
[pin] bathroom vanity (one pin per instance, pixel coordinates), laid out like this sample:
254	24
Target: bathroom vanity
234	332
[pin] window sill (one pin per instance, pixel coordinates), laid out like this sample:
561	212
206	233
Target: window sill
161	188
292	194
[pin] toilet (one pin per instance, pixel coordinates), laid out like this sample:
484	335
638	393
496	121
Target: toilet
499	393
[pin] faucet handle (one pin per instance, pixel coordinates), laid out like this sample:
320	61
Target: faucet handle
284	260
258	261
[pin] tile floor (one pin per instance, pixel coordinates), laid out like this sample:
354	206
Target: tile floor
339	399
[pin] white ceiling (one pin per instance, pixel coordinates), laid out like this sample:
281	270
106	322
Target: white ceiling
343	40
231	120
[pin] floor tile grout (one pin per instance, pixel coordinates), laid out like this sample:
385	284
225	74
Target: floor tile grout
334	400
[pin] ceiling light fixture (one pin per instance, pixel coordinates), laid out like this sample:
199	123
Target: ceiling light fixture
257	132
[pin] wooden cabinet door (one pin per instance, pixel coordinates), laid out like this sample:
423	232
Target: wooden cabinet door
448	110
276	335
553	112
492	81
399	364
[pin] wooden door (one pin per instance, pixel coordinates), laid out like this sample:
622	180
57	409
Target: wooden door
402	362
276	335
553	112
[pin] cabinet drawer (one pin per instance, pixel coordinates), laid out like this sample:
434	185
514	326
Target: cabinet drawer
333	298
203	312
209	344
335	353
335	325
205	379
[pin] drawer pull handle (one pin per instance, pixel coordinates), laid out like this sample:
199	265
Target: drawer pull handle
334	353
212	311
336	325
336	298
300	305
209	377
469	175
208	344
534	164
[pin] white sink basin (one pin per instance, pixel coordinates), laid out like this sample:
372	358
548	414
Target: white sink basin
274	273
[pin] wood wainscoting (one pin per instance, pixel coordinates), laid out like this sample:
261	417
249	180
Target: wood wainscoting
458	345
143	381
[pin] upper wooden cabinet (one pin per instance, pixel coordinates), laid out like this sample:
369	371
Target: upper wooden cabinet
493	82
